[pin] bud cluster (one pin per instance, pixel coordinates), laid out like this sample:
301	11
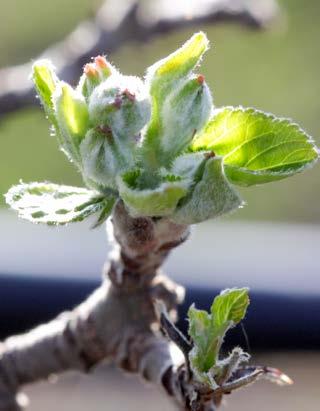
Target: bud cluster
158	144
113	126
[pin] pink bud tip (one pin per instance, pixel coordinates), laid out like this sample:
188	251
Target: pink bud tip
200	79
117	102
101	62
130	96
90	70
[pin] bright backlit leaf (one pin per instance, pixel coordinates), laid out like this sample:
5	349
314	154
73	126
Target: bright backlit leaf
256	147
169	81
208	330
45	81
73	119
54	204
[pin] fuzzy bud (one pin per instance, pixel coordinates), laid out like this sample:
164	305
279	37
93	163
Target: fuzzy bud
186	111
121	103
103	67
94	74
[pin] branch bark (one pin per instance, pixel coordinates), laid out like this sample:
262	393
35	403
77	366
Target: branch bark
116	323
119	22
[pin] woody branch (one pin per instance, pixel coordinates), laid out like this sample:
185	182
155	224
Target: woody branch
136	21
116	323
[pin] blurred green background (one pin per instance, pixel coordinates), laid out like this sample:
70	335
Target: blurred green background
276	70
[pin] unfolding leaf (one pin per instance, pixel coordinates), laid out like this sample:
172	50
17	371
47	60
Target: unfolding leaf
103	156
186	110
163	74
208	330
45	81
211	197
202	332
154	202
72	117
190	165
256	147
54	204
166	78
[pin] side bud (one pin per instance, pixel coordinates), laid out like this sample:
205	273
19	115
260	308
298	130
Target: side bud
122	104
186	111
93	74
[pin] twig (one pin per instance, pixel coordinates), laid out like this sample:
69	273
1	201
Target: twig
121	21
117	322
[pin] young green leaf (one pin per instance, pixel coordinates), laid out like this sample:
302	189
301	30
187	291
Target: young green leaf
168	71
230	306
45	81
190	165
103	156
164	78
187	110
208	330
54	204
73	119
256	147
153	202
211	196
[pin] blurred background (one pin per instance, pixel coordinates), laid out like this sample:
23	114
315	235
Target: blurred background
270	245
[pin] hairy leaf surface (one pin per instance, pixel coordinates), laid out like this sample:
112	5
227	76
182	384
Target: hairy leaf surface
54	204
256	147
208	330
211	197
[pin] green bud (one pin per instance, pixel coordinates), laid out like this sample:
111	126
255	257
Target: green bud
103	156
189	165
94	74
178	65
121	103
185	111
165	79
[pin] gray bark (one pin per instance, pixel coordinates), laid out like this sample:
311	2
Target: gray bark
117	323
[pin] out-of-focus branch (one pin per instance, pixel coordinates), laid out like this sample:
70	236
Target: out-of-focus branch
120	21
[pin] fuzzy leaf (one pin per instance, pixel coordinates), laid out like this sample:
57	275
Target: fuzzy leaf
200	328
153	202
190	165
186	110
230	306
73	119
54	204
256	147
45	81
211	197
104	156
163	78
208	330
163	74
